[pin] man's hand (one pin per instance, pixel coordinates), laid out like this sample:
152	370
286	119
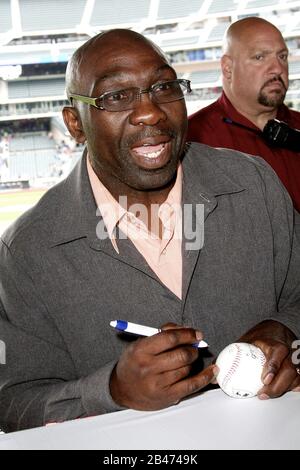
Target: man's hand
152	372
279	374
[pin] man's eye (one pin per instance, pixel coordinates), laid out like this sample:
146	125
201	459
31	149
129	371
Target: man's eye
166	86
117	96
259	56
283	57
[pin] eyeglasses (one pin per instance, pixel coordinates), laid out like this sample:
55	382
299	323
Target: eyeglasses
123	100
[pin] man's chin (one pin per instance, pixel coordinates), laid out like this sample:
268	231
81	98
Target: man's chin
151	180
273	100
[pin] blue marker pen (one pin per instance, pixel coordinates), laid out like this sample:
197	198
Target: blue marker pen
141	330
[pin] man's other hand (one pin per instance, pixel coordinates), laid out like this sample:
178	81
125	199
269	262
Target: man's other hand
279	375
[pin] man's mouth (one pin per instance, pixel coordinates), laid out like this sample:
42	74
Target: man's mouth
275	84
153	153
150	151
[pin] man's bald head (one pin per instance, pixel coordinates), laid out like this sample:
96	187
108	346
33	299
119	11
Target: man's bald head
240	31
137	148
83	57
255	68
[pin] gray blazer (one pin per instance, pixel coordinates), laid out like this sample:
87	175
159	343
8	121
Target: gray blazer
60	285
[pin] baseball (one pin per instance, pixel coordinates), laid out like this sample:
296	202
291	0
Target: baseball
240	369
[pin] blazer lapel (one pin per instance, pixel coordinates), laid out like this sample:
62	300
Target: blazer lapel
197	206
128	253
203	183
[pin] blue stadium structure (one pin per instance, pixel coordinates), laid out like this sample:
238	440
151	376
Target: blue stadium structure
37	37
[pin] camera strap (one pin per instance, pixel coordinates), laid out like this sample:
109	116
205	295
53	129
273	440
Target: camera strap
276	134
234	123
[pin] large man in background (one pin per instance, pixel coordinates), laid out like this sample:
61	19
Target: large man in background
255	82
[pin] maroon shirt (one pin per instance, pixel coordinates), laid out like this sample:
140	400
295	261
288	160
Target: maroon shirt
207	126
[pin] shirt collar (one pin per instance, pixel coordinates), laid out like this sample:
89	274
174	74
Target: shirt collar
230	112
77	217
112	212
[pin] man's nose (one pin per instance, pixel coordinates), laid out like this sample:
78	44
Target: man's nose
146	112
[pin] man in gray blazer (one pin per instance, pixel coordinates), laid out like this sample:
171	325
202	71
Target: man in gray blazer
67	269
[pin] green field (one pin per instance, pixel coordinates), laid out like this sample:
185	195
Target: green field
13	204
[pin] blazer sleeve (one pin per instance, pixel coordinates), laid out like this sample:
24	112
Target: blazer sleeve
38	379
285	222
289	299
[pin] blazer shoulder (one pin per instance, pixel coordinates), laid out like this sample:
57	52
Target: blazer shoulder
245	169
226	157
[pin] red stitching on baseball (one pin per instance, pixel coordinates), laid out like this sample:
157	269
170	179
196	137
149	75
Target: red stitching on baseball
234	366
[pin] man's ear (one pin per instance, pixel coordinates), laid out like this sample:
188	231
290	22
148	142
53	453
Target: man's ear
73	123
226	65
